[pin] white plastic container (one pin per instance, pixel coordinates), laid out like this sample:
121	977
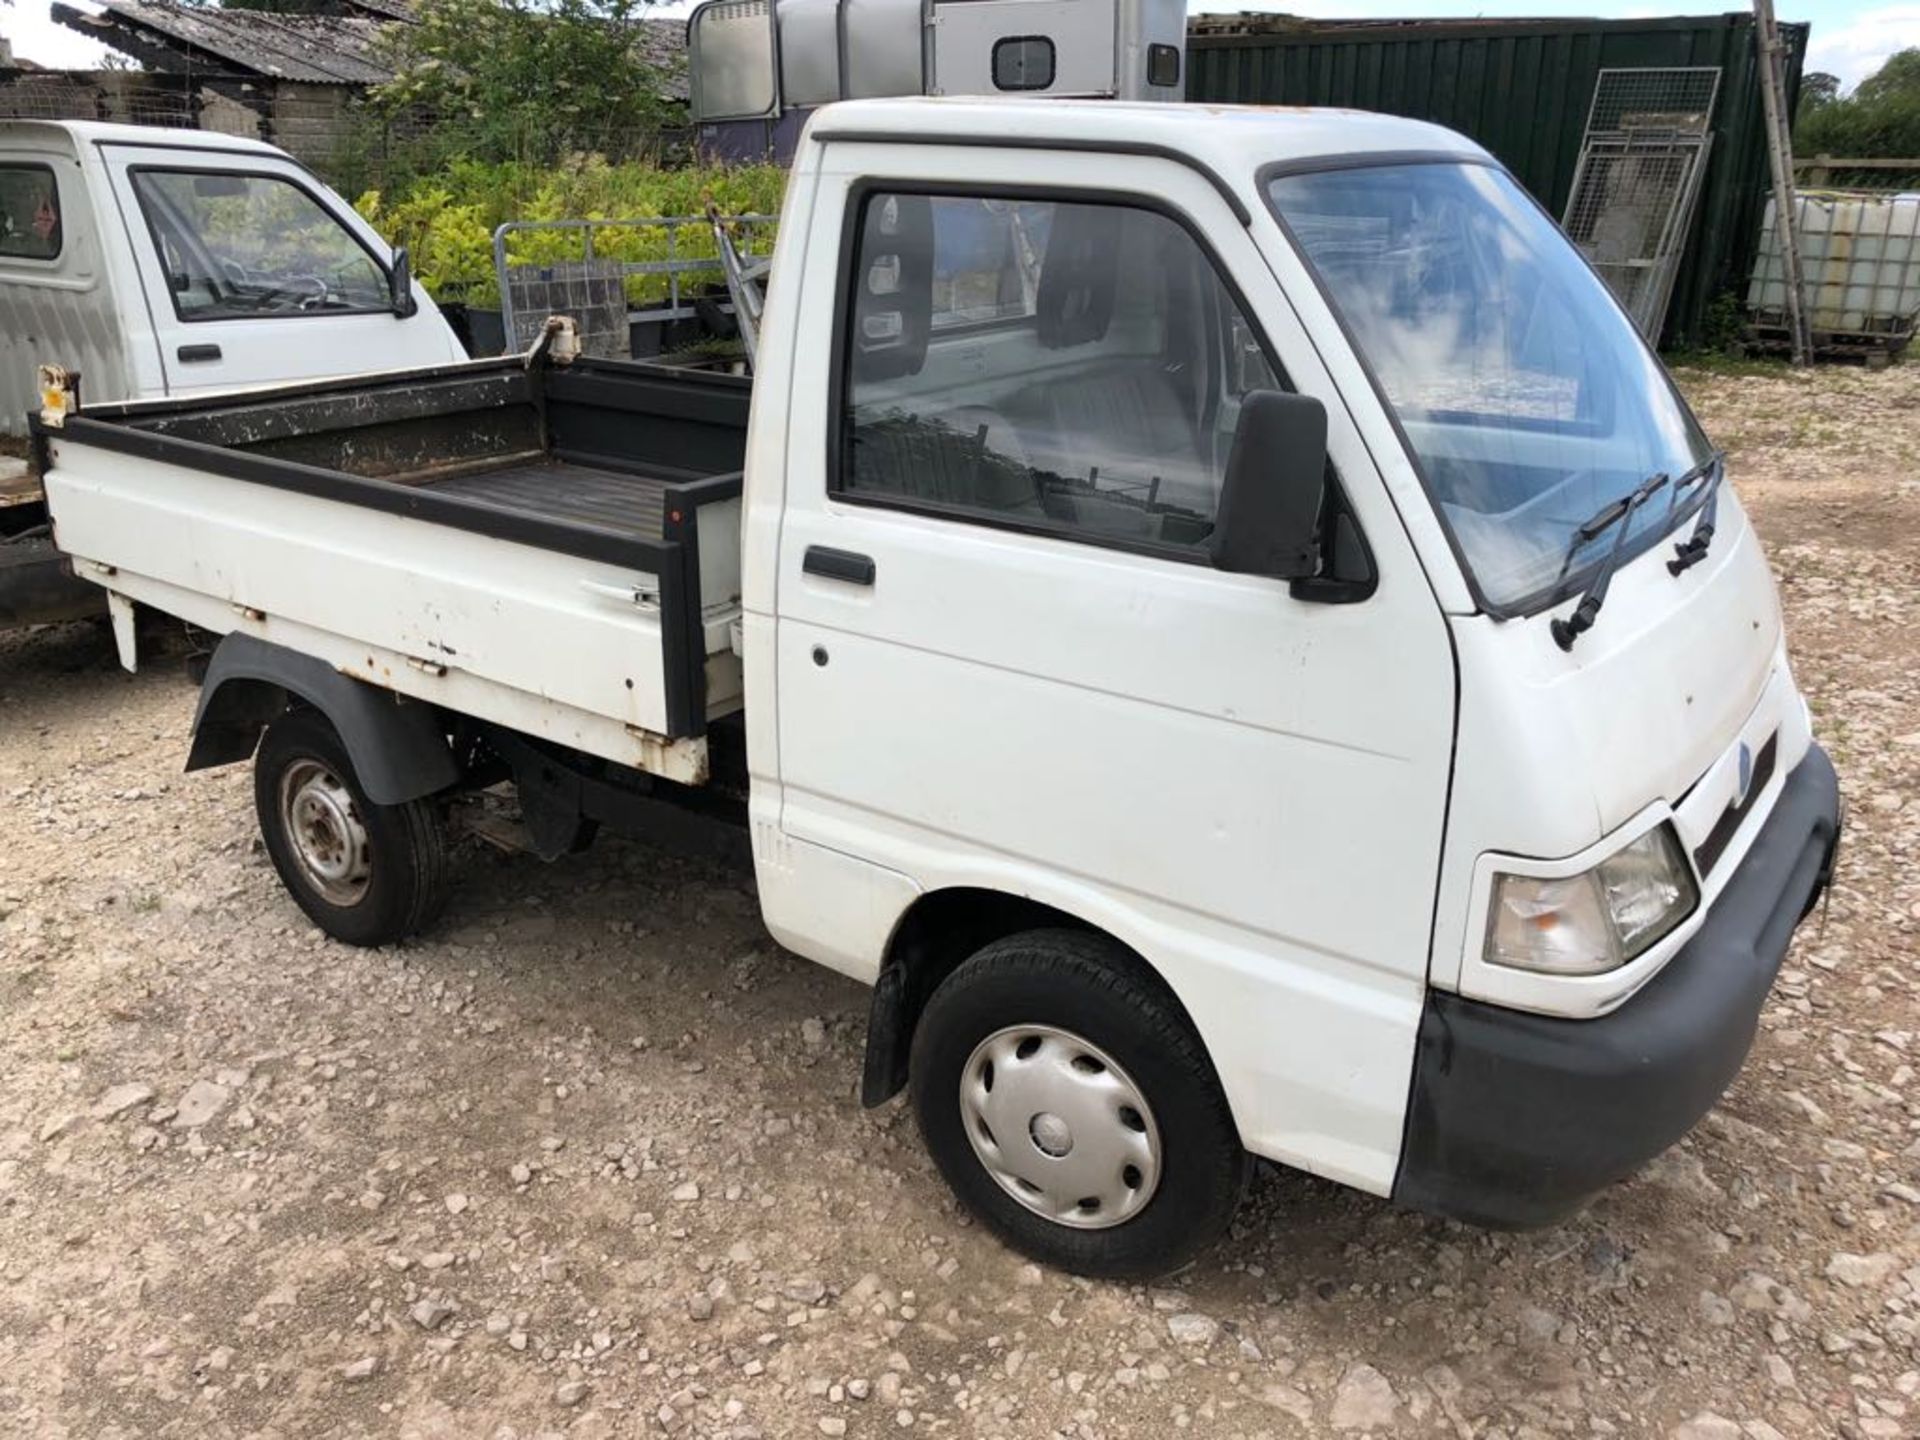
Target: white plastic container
1860	268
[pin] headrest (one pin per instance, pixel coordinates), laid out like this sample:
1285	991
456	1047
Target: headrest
1074	304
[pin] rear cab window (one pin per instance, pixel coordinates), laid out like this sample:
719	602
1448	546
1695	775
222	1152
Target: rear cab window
242	246
30	215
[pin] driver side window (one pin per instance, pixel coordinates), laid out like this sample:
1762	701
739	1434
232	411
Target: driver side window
1060	366
236	246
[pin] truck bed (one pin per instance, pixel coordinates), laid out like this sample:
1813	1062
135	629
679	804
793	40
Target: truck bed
555	548
567	491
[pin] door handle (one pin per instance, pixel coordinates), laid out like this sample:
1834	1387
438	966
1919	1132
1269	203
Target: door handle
848	565
195	354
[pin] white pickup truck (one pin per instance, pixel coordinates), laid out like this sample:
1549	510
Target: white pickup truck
155	262
1223	624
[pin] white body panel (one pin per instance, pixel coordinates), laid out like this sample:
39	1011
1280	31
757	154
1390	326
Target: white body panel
69	310
1557	751
1291	811
102	306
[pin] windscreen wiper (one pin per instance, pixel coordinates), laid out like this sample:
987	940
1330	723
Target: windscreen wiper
1565	632
1691	551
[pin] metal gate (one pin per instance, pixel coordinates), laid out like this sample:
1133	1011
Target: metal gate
1638	181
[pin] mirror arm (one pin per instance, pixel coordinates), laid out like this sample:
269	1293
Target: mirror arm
400	285
1325	590
1332	587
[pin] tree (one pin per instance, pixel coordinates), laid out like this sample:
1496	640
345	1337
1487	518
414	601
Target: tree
1818	88
1879	120
532	80
1898	78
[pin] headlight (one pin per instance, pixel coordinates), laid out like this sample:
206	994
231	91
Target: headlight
1598	920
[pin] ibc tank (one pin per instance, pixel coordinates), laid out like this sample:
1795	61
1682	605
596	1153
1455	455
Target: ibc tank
1859	265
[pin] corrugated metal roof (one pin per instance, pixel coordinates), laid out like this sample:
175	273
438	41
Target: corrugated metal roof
318	49
314	48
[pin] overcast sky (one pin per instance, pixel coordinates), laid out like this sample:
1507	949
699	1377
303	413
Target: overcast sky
1850	37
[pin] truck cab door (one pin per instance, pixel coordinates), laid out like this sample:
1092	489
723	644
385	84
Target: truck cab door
1005	661
254	273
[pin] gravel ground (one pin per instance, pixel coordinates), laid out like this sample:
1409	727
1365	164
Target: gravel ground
590	1161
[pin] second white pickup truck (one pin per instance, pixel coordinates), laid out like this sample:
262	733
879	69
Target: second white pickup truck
1216	615
153	262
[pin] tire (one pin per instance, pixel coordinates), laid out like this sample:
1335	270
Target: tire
1072	1017
366	874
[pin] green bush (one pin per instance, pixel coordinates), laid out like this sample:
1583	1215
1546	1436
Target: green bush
447	220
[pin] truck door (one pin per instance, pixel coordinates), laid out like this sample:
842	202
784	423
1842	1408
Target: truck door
1003	657
254	273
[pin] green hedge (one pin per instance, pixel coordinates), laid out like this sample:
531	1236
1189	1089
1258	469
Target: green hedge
447	220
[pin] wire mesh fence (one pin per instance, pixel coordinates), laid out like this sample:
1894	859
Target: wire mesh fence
331	128
371	149
1634	193
1670	100
124	97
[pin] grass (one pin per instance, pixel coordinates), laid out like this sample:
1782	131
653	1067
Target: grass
1719	362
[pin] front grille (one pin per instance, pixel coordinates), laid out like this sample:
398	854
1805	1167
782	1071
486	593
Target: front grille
1709	851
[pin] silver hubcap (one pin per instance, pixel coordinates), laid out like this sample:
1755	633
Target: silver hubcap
323	823
1060	1126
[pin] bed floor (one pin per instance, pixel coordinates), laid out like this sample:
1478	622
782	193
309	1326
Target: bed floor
558	490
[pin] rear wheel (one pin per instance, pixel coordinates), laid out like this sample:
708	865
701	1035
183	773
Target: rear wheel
1070	1105
364	873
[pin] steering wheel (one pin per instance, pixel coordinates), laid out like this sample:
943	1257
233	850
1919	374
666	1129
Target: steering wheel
321	293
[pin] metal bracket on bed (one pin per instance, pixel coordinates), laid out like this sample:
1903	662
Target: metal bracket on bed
638	595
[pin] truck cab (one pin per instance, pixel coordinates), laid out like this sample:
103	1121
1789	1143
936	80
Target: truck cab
152	262
174	262
1225	625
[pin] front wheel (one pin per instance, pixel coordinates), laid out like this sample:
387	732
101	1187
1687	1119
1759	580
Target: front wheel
364	873
1071	1107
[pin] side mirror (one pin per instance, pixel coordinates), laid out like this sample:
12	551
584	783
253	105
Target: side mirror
400	285
1268	521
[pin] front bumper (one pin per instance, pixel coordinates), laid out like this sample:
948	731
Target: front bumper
1517	1120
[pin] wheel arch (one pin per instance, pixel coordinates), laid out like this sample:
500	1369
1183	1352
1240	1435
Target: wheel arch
939	930
398	747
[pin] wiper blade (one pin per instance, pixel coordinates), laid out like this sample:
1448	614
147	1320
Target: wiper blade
1565	632
1691	551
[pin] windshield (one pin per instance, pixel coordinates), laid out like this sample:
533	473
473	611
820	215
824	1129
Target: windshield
1528	398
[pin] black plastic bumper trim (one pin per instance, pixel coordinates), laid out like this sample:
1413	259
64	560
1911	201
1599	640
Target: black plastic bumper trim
1516	1120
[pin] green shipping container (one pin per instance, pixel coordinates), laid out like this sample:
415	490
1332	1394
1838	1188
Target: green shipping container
1522	88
